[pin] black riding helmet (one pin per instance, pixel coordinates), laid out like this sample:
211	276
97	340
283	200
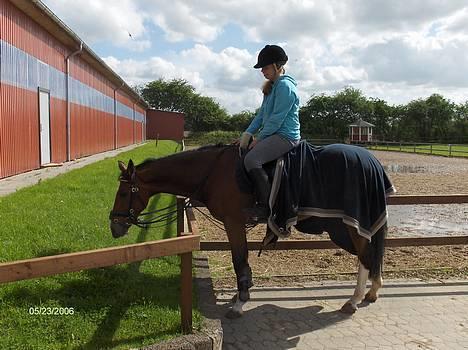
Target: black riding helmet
270	54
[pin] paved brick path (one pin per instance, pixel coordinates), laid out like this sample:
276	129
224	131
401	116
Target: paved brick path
409	315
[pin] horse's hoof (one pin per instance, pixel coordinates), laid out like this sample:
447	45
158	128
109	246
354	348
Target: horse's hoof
370	298
234	299
348	308
231	314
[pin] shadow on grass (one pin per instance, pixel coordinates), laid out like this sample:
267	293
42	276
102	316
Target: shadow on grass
50	252
108	327
114	289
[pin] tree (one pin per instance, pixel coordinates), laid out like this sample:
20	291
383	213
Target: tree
173	95
205	114
177	95
458	130
440	113
239	121
329	116
427	120
382	116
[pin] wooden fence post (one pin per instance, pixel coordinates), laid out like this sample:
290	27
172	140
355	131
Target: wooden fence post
185	274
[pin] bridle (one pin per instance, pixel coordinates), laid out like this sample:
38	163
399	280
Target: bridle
168	217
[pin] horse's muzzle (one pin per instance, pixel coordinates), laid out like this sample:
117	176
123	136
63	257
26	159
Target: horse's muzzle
118	229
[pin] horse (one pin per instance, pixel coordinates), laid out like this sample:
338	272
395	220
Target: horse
208	175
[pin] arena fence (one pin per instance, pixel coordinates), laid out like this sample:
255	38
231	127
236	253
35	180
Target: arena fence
390	242
447	150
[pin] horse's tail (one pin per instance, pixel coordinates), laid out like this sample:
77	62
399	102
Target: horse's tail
376	252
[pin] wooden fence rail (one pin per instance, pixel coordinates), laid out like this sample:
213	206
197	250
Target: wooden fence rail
418	147
91	259
302	244
427	199
390	242
183	245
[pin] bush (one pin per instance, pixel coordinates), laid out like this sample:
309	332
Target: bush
211	137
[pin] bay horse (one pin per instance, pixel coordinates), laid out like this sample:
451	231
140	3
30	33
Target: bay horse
208	175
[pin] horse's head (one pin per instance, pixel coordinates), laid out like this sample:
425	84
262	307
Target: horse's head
130	200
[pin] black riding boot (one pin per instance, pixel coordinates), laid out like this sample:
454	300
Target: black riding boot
262	188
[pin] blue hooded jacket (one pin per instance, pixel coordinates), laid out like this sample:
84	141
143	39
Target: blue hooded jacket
279	113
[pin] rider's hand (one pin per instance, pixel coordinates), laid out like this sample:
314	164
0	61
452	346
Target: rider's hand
253	143
245	140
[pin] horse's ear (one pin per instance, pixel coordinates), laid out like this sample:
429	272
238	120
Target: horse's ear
131	169
122	166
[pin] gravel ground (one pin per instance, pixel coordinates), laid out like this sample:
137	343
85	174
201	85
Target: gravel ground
420	174
410	174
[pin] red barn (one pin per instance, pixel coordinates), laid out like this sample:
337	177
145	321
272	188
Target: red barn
58	100
165	125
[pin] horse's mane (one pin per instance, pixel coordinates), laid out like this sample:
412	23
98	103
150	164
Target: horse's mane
175	156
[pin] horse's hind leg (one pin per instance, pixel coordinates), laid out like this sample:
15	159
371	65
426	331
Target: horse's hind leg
378	247
350	306
361	246
370	256
373	294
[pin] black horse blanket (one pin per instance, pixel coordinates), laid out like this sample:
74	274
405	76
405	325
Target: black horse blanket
325	188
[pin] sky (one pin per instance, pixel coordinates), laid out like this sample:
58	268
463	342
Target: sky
394	50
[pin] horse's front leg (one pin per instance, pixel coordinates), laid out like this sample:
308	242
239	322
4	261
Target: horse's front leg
240	258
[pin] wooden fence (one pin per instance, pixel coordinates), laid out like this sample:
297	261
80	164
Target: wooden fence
390	242
188	241
183	245
450	150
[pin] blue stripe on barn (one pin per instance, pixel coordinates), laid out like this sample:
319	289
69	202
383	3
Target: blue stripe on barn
25	71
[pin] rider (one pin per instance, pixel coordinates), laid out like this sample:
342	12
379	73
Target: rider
277	124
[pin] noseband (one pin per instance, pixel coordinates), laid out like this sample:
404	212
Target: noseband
130	214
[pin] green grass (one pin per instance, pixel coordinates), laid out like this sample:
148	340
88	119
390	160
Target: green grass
120	307
437	149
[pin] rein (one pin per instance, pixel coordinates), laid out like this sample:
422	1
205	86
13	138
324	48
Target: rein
168	217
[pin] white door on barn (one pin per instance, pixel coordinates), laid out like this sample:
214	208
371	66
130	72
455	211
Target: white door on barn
44	118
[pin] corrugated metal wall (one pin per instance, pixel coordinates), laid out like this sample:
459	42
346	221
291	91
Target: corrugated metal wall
140	115
31	59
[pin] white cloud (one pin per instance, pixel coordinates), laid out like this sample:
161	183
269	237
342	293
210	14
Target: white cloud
395	50
181	20
116	22
223	75
399	15
445	64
